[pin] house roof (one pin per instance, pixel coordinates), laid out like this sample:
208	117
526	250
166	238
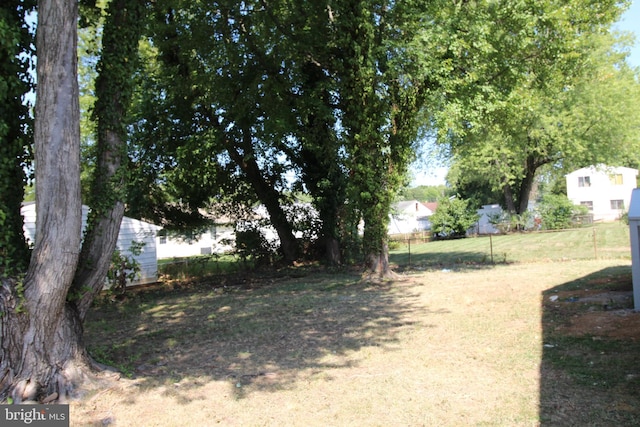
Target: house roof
603	169
432	206
31	206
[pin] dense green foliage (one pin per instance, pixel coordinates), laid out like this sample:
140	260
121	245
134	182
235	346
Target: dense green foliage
246	102
240	103
251	101
558	212
426	193
15	130
452	219
569	101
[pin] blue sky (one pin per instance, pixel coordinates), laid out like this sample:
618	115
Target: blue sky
630	21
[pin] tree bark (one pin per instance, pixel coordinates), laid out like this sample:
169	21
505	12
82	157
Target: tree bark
271	200
520	203
377	265
95	259
531	166
41	349
375	246
508	198
114	86
333	255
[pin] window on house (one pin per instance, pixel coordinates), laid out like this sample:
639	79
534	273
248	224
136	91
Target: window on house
617	204
162	234
588	204
616	179
584	181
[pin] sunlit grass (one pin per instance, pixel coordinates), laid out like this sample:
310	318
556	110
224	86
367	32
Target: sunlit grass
602	241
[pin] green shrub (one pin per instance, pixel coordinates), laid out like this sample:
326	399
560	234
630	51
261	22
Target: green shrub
452	219
557	212
252	245
124	268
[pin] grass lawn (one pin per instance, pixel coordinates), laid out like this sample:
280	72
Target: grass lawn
602	241
460	343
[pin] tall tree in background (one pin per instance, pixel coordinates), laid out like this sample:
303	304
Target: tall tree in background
382	88
520	79
591	119
16	130
239	94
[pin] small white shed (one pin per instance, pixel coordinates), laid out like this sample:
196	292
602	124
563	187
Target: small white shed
486	213
634	231
130	230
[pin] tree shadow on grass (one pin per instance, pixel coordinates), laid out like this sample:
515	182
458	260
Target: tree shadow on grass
256	333
590	369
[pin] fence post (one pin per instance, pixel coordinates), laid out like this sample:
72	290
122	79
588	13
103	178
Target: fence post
491	245
595	244
409	245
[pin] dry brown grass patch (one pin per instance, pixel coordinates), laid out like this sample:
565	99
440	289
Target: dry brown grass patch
441	347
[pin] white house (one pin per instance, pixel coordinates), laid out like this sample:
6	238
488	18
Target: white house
606	191
409	217
218	239
221	236
131	230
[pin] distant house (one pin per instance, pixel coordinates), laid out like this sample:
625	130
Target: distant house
218	238
221	236
409	217
432	206
605	191
131	230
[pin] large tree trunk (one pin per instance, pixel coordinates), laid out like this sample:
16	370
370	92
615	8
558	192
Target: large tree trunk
526	184
377	262
333	255
271	200
519	203
97	250
319	158
41	348
43	356
375	245
113	90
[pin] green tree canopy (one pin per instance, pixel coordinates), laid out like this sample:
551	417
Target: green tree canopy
568	101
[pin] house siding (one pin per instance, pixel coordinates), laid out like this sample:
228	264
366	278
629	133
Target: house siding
219	241
130	230
593	186
409	217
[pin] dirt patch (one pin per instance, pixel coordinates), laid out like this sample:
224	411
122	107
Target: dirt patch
619	324
603	312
